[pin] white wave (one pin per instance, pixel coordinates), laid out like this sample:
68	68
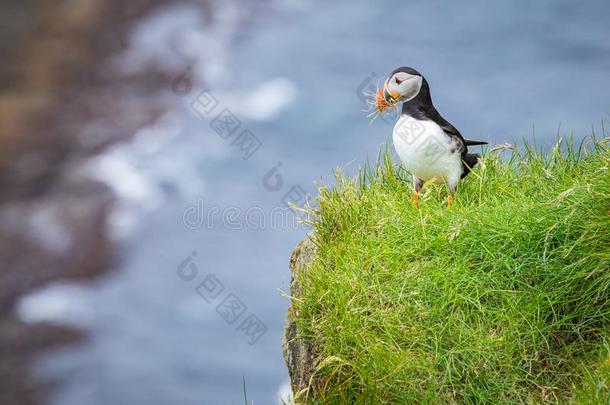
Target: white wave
269	99
182	35
134	190
264	103
56	303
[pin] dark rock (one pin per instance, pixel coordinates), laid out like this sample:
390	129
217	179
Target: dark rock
298	352
56	79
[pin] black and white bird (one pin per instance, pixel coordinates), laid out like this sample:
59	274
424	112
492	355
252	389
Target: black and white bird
429	147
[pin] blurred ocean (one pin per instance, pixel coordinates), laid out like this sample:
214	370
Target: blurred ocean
291	72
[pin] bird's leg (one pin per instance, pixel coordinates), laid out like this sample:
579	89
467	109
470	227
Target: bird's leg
452	185
417	186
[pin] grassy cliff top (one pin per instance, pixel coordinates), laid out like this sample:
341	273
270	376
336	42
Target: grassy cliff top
502	297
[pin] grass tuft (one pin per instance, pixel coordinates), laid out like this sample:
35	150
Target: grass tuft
503	297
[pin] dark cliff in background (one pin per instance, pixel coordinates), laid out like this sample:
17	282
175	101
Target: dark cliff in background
56	77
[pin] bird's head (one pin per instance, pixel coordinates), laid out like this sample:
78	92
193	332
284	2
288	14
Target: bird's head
403	84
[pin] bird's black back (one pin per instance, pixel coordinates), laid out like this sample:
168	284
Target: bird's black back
421	108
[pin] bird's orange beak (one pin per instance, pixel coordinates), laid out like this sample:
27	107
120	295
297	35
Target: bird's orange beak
386	100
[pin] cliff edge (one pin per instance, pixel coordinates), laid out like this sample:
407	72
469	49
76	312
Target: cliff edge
298	353
502	297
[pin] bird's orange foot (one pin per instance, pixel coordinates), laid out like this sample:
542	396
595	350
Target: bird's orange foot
416	199
449	200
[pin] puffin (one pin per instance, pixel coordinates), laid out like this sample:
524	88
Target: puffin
429	147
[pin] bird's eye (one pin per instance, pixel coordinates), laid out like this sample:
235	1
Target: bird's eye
398	81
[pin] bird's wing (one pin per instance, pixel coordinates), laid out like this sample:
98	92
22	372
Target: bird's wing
452	131
449	129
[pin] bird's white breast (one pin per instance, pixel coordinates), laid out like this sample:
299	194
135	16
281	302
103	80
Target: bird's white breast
426	151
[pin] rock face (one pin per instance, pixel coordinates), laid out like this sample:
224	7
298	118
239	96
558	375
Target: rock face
298	354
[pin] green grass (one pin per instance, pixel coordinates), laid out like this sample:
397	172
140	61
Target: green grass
503	297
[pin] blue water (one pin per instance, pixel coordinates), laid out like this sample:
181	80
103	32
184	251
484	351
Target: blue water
497	71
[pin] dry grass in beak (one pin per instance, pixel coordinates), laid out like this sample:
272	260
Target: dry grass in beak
382	103
376	100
